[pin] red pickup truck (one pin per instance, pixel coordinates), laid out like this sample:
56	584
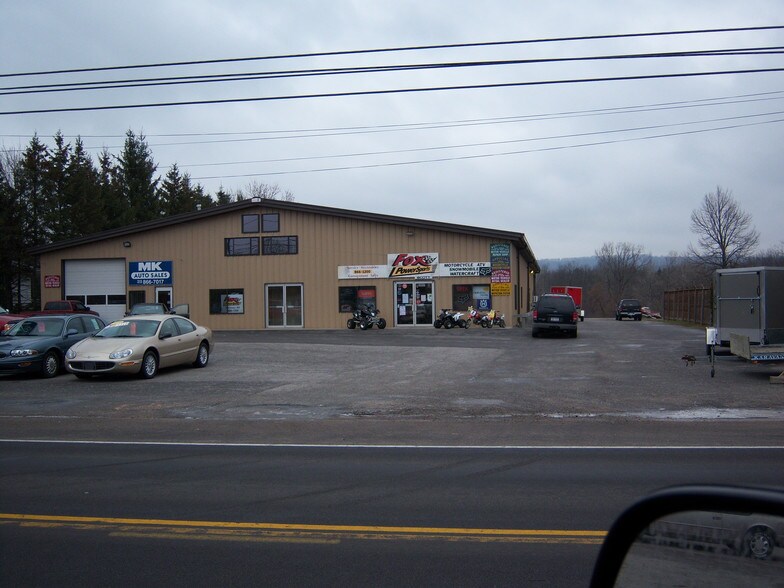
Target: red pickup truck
8	320
62	307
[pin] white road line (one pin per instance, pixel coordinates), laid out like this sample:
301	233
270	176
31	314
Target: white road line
370	446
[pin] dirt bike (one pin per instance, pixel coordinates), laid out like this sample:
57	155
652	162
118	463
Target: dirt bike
498	319
450	318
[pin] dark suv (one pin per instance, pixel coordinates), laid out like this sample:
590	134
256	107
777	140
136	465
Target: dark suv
628	308
554	313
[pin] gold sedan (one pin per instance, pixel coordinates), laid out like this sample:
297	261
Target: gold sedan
141	345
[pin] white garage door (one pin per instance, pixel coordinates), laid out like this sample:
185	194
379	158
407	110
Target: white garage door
99	283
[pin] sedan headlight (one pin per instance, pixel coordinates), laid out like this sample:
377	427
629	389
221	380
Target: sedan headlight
23	352
120	354
70	354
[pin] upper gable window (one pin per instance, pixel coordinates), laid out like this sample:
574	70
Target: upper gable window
250	223
241	246
279	245
270	223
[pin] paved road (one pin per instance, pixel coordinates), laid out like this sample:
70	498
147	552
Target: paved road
308	428
198	515
618	382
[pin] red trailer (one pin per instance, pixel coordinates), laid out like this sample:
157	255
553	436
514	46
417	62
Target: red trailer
576	292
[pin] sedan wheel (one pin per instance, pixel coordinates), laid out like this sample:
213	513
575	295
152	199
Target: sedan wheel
149	366
51	365
758	543
203	356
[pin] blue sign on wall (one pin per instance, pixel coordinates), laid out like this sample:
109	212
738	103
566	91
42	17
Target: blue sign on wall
150	273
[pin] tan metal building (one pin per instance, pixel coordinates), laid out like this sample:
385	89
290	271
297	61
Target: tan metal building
258	264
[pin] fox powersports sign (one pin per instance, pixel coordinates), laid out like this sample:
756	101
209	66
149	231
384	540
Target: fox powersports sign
150	273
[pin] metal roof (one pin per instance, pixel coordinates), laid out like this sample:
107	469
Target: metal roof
518	239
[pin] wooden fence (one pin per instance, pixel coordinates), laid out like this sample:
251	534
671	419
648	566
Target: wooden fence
694	305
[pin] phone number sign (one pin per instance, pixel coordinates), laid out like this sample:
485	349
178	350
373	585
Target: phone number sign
150	273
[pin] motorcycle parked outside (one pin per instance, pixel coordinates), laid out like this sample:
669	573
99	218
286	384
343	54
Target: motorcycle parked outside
479	319
450	318
365	317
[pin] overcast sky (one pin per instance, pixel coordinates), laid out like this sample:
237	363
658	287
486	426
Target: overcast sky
571	165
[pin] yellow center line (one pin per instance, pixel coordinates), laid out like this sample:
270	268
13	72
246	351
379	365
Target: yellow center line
239	531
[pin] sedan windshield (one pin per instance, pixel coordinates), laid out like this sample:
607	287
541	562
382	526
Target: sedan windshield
141	328
37	327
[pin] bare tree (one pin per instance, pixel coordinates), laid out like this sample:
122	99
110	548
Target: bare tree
725	235
260	190
621	265
773	256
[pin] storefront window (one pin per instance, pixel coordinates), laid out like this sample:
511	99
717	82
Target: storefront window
352	297
227	301
476	295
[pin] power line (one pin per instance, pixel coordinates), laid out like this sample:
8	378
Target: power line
251	76
396	49
428	125
489	155
390	91
486	143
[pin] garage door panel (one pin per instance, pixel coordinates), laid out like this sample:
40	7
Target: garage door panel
99	283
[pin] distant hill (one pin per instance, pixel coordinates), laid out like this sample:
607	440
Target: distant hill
554	264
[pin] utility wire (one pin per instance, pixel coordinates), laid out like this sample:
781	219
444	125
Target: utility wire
487	143
250	76
428	125
390	91
396	49
489	155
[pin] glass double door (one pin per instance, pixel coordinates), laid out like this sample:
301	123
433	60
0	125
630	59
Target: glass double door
284	305
414	303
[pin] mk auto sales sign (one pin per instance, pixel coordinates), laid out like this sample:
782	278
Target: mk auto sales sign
150	273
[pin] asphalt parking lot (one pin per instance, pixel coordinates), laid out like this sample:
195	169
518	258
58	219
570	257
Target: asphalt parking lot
621	381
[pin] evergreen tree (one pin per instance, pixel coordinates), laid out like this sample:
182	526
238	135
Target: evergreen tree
57	212
117	208
171	194
11	237
223	197
177	195
135	176
83	195
32	190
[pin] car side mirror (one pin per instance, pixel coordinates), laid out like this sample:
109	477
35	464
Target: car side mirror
164	336
695	535
71	332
